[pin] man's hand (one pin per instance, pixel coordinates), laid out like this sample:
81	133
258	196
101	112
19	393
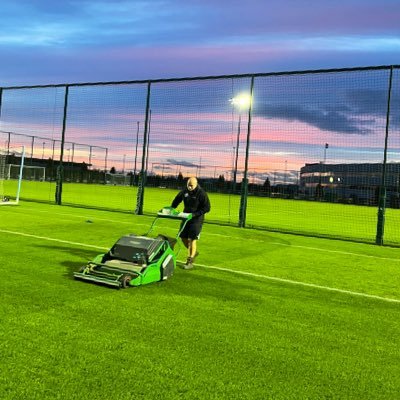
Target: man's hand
187	216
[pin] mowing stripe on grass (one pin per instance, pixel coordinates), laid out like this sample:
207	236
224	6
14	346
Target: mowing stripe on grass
53	240
298	283
237	238
35	211
251	274
348	253
337	251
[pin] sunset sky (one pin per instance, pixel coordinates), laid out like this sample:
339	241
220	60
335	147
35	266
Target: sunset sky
194	125
47	41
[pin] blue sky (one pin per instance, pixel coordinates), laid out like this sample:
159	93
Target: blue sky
48	41
72	41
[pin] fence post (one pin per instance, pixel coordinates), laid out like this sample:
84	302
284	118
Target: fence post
60	168
143	171
244	187
380	228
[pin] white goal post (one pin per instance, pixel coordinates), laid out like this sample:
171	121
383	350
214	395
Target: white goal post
10	186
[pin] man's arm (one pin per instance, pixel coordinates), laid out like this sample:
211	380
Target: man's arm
204	205
177	200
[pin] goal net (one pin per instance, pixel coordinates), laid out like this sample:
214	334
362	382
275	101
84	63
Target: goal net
29	172
10	184
118	179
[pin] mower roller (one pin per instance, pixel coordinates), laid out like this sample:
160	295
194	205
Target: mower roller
136	260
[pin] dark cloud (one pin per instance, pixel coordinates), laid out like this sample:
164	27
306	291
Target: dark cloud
326	119
357	112
182	163
375	102
161	167
368	101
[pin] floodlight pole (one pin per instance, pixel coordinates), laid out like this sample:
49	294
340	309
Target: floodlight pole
236	154
136	149
90	155
32	146
244	189
326	145
380	228
8	143
105	165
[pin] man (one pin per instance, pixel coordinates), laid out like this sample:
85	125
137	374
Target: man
196	202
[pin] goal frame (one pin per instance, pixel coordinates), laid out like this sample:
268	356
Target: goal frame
19	183
24	170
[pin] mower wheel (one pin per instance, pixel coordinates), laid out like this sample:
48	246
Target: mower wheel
82	269
125	281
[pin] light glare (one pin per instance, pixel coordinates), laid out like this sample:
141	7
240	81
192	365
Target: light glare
241	101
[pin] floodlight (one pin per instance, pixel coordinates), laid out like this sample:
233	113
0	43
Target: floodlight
241	101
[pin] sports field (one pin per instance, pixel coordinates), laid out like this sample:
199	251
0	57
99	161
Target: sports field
262	316
314	218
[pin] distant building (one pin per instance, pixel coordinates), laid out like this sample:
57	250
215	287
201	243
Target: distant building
350	183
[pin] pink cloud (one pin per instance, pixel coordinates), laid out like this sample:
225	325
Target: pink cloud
208	139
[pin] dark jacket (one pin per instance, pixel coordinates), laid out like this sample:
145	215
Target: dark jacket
195	202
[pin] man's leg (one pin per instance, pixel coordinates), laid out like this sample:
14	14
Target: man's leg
193	253
191	245
185	242
192	248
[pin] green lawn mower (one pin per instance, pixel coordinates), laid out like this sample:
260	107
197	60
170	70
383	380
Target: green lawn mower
136	260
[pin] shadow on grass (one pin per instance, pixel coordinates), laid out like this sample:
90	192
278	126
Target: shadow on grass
201	284
84	255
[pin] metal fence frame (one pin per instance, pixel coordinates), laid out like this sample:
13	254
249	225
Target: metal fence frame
244	185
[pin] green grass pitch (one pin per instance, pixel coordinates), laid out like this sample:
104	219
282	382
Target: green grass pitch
262	316
312	218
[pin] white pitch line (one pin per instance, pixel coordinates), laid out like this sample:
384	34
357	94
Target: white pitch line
271	278
298	283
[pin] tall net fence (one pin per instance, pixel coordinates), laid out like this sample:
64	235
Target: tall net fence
309	152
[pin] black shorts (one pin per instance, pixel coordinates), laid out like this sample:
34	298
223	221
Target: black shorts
192	230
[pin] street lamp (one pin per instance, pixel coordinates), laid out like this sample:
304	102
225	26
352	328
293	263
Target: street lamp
73	153
241	102
90	156
285	178
123	164
32	145
325	147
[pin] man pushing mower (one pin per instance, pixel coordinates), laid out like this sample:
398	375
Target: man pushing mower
196	202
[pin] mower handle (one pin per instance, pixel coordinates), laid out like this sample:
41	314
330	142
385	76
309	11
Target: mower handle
169	212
